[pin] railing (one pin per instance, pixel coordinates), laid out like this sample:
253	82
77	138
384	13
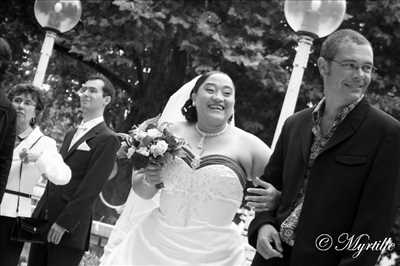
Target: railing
100	234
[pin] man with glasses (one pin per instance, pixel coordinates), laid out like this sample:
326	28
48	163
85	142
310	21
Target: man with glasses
90	152
338	167
8	120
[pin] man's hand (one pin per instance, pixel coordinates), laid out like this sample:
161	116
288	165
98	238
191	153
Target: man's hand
125	138
122	153
126	142
267	197
55	234
268	242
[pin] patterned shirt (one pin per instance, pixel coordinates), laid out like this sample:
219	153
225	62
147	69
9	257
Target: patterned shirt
288	226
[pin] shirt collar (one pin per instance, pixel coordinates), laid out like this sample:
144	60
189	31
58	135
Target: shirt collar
91	123
320	108
29	139
26	133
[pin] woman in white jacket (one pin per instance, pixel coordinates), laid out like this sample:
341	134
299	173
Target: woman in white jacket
35	156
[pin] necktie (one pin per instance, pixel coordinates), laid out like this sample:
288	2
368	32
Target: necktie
79	131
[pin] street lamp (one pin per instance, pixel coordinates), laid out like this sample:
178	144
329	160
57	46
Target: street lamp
310	19
56	16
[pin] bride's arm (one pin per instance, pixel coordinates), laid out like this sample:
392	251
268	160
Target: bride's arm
142	185
266	195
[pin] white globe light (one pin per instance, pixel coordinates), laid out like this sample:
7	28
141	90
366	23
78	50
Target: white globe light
318	17
58	15
55	16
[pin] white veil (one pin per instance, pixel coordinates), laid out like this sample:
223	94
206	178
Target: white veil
135	206
172	110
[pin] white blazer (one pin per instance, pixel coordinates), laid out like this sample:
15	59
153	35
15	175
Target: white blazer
50	164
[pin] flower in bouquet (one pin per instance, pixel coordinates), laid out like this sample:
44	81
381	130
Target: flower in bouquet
153	143
159	148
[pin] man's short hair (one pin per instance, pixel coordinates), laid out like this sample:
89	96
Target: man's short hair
108	89
5	56
332	44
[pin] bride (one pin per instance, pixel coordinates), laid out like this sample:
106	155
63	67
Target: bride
201	193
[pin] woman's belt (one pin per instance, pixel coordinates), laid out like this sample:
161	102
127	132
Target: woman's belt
21	194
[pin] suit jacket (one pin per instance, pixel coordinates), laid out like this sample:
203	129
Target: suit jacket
352	188
70	205
7	138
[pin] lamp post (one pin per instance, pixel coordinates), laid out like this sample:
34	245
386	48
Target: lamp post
56	16
310	19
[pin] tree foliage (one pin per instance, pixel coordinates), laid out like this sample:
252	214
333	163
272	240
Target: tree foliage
149	48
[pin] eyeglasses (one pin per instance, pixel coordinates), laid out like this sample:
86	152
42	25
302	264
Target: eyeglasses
27	102
354	66
83	89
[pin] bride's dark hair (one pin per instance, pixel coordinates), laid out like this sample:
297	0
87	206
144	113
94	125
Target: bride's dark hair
188	110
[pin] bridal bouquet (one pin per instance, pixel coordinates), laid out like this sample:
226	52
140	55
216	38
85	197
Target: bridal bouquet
153	143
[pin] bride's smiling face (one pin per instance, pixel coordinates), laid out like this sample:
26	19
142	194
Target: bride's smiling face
215	99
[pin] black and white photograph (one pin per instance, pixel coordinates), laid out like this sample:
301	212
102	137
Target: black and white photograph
200	133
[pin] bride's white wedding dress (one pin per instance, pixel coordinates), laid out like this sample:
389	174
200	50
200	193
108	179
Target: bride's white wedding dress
193	224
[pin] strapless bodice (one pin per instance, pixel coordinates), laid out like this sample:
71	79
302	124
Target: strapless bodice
209	194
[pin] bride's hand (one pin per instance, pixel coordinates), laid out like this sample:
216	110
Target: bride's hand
152	174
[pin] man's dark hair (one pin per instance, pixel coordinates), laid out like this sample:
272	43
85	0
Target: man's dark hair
108	89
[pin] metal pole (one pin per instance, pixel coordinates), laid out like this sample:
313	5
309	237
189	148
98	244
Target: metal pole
299	65
45	54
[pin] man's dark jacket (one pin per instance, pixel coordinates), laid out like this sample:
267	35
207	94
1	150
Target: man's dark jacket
71	205
353	186
7	138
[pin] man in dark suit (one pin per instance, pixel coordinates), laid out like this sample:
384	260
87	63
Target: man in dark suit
338	168
90	152
7	121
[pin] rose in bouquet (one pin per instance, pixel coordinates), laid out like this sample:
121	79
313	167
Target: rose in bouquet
153	143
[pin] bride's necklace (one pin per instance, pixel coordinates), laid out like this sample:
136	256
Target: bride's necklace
204	135
196	160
